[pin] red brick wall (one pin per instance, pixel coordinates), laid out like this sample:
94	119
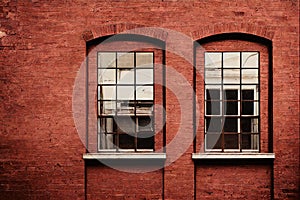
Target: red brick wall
42	45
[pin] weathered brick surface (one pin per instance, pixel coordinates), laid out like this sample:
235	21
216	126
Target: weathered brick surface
42	45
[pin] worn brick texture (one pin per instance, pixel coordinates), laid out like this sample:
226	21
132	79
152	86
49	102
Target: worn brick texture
42	46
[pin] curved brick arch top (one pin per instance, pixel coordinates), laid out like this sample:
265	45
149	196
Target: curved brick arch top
124	28
258	32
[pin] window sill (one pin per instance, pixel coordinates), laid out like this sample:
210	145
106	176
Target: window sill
224	156
124	156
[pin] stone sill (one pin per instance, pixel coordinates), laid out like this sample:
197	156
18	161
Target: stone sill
124	156
224	156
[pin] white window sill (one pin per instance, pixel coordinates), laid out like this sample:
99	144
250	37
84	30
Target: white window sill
124	156
213	156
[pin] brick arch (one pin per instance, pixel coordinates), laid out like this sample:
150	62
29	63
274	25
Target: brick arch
266	32
127	28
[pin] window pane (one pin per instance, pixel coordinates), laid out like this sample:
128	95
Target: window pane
125	60
107	141
144	76
250	76
231	141
212	94
213	107
230	124
108	92
213	124
107	125
107	59
212	76
145	124
144	59
250	59
213	141
144	93
144	108
213	60
249	125
125	92
231	60
247	94
125	76
106	107
126	141
247	108
145	141
231	108
125	108
106	76
250	141
231	94
125	124
231	76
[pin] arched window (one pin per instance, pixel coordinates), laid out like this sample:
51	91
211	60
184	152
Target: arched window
233	80
125	82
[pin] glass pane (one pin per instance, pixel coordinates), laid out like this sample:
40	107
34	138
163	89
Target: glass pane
231	141
106	76
231	60
213	60
212	94
125	76
231	108
212	76
213	124
231	76
107	59
250	141
125	124
213	108
213	141
144	59
247	108
125	92
126	141
247	94
144	93
249	125
250	76
230	124
250	59
108	92
107	141
106	107
231	94
250	92
125	108
144	109
125	60
106	125
145	141
144	76
145	124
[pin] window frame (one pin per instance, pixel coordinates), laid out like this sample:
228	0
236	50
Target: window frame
222	100
135	101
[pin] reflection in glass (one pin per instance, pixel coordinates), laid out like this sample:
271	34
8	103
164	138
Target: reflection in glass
144	76
231	76
144	59
144	93
125	60
212	76
231	60
213	60
106	76
107	59
249	59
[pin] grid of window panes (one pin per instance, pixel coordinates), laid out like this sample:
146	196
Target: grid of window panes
232	101
125	100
